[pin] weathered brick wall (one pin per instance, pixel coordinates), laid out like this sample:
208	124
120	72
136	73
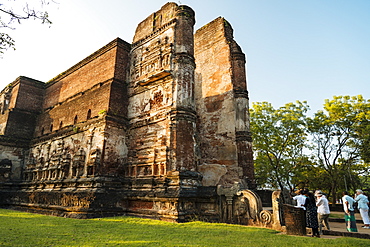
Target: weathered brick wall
14	94
155	21
295	220
215	105
20	124
95	69
3	121
18	120
118	99
222	106
5	96
87	89
115	150
96	100
30	95
118	96
122	60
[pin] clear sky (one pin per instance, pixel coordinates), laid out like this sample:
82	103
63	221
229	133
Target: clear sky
296	50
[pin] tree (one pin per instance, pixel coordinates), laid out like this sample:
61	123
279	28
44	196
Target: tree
279	139
340	135
14	13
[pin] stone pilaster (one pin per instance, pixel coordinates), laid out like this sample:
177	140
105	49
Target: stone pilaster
242	127
183	111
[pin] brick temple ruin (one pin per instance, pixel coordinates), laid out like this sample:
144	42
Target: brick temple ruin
157	128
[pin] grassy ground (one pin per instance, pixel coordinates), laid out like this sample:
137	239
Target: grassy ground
25	229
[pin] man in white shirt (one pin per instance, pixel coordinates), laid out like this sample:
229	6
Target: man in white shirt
301	199
362	205
323	210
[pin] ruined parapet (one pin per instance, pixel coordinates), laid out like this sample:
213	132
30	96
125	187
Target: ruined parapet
20	104
225	141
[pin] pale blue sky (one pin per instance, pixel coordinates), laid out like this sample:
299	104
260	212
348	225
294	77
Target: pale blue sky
296	50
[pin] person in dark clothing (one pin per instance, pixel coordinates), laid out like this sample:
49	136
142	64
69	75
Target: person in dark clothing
311	214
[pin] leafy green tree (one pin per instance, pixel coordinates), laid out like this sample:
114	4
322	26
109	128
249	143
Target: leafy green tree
340	136
13	12
279	139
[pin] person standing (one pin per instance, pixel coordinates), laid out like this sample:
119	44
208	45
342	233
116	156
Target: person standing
349	212
362	205
300	198
311	214
323	210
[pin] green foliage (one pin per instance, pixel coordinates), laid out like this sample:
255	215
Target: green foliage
340	136
102	112
279	138
329	151
25	229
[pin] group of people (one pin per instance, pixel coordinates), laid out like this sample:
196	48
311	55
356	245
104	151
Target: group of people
317	210
349	210
316	206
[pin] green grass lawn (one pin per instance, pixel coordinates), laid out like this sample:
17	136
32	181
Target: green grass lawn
25	229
